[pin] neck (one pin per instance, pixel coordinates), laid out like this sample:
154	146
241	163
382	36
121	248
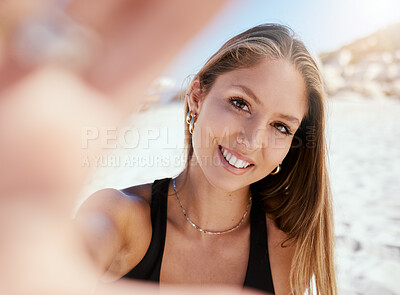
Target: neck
210	207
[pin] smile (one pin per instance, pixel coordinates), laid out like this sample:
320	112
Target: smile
234	160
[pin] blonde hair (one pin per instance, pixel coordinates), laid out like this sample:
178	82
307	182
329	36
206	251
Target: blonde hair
299	197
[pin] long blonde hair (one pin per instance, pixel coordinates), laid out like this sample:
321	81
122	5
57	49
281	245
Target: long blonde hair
298	198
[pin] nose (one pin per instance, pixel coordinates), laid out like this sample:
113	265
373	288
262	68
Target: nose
251	138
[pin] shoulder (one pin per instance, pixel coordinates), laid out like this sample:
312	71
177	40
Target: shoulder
142	191
280	257
130	213
118	204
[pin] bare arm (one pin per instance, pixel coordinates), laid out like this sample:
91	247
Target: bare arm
113	225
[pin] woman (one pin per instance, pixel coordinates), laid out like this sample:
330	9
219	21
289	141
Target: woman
252	206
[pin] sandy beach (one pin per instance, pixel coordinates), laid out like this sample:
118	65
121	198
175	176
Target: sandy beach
364	151
364	162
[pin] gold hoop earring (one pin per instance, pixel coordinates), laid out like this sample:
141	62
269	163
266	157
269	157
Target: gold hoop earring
188	117
192	123
276	171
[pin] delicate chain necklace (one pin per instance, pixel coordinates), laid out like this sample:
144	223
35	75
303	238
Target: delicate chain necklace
207	231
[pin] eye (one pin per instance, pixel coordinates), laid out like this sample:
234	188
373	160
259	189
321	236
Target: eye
282	128
240	104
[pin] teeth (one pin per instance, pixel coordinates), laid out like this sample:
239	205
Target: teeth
238	163
232	160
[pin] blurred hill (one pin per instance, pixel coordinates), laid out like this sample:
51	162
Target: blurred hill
369	67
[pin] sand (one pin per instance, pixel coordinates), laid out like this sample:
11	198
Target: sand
364	151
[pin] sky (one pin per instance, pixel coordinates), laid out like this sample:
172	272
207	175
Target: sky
322	25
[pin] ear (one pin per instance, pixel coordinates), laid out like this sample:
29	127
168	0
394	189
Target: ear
195	96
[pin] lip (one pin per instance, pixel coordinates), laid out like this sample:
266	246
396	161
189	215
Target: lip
239	156
229	167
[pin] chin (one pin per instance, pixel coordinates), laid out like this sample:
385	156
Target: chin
221	176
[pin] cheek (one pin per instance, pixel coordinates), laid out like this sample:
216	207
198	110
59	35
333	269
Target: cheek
280	144
273	153
215	122
277	154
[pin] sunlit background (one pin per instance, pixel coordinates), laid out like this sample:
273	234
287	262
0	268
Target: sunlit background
323	25
357	44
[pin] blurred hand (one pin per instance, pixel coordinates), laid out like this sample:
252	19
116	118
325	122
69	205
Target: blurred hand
63	69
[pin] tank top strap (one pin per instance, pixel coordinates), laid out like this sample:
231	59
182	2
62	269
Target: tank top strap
150	266
258	273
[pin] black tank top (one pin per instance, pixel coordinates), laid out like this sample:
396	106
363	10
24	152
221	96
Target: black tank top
258	273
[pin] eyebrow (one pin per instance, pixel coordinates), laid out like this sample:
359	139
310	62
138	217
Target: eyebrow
289	118
250	93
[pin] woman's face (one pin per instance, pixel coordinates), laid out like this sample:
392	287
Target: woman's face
247	121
